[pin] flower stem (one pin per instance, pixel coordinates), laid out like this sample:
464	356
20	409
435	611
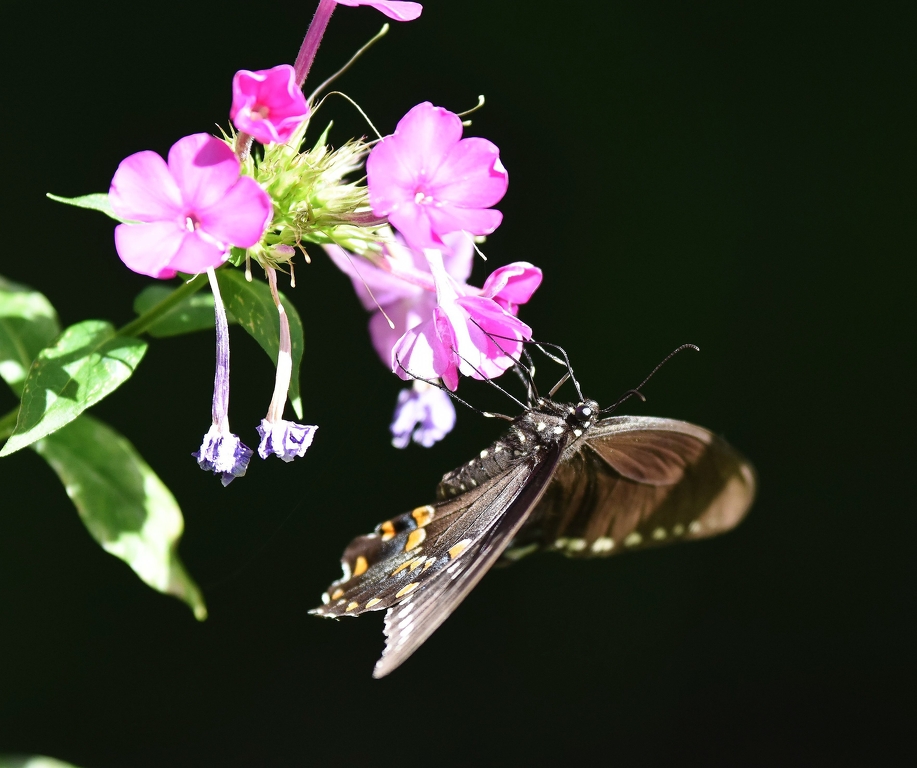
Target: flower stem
8	424
312	40
220	410
142	323
284	355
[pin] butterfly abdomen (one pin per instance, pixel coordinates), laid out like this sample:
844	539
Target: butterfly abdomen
534	430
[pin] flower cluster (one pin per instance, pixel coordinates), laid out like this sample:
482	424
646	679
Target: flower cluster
406	237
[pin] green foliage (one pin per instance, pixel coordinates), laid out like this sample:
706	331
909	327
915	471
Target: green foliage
95	202
195	313
252	306
28	323
87	362
123	503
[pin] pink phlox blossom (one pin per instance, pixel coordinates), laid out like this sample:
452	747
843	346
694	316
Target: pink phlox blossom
388	294
400	11
190	210
423	414
469	333
268	104
429	181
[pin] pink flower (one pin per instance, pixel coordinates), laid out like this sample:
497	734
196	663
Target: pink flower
432	335
391	8
268	104
429	181
190	210
407	294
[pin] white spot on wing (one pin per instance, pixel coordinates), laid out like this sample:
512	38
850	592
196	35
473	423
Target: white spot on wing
633	539
603	544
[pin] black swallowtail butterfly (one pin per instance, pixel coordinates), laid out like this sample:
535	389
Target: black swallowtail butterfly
559	479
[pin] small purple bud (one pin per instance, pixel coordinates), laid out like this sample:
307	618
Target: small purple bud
285	439
223	453
423	414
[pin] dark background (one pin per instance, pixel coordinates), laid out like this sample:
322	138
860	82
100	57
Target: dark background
741	176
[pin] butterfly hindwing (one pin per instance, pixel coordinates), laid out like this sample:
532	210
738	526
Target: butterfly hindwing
636	482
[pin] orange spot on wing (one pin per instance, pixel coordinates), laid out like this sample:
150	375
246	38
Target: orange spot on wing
337	594
455	551
423	515
388	530
360	567
415	539
407	588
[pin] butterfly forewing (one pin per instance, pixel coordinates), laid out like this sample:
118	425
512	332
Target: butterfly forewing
638	481
409	623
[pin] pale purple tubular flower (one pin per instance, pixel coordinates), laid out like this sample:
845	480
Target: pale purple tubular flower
424	414
429	181
222	452
268	104
190	210
469	334
286	439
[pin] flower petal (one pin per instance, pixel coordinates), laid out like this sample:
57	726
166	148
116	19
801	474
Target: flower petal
148	249
204	169
197	254
458	255
414	224
143	189
223	453
426	352
446	218
410	157
400	11
240	216
366	278
287	440
471	175
404	314
268	104
512	285
424	413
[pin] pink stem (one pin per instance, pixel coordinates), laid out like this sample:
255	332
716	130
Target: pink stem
312	40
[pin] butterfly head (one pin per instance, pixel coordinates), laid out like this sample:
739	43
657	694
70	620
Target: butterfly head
583	414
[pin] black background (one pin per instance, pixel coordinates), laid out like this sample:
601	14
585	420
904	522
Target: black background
741	176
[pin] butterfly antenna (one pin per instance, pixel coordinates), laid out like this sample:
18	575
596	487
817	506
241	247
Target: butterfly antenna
636	391
526	374
433	383
491	381
540	345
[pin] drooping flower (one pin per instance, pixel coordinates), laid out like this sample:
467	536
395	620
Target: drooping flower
268	104
285	439
429	181
222	452
468	334
191	209
400	11
424	414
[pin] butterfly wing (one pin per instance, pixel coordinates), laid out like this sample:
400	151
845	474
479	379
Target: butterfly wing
422	564
635	482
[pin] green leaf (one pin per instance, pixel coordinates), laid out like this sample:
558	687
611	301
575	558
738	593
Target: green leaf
28	323
96	202
193	314
86	363
32	761
123	503
252	306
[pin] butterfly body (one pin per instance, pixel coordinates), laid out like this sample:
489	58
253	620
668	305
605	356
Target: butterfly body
558	479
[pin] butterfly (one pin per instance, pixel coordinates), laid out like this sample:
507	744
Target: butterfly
561	478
